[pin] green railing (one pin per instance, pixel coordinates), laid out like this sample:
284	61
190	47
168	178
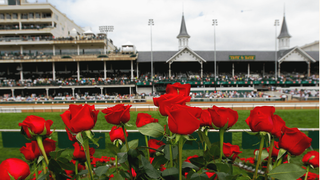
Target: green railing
12	138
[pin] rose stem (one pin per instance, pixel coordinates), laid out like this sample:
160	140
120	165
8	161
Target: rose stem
270	156
117	144
43	152
205	144
170	146
221	132
148	153
259	157
308	169
127	145
36	167
76	168
87	152
44	166
180	157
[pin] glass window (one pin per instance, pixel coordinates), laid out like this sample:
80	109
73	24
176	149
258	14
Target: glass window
37	15
14	16
1	16
31	16
24	16
8	16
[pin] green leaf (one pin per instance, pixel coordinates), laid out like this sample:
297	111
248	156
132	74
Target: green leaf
79	138
149	169
215	150
56	154
132	145
204	138
287	172
222	175
83	172
90	136
281	153
178	136
158	161
189	166
40	159
175	152
43	177
118	177
101	170
198	161
264	154
113	148
173	172
65	163
122	157
223	168
253	133
152	129
56	169
189	138
197	176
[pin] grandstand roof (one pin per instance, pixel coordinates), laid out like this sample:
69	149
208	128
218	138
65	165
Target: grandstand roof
260	56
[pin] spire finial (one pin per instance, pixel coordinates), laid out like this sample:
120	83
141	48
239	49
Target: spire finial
182	7
284	9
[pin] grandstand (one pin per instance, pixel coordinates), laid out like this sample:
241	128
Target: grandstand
46	56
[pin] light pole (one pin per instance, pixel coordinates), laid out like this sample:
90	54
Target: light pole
151	23
214	24
276	23
106	29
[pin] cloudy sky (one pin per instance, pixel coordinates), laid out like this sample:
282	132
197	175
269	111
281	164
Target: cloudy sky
242	24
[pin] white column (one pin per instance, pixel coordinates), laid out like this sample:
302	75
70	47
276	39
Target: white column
12	91
53	71
105	69
279	69
248	69
104	49
232	70
131	70
47	92
137	70
263	69
78	49
73	92
130	90
169	69
20	24
21	72
21	49
309	68
101	90
217	70
54	50
201	70
78	70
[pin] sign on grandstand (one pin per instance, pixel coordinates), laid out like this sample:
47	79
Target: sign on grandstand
239	57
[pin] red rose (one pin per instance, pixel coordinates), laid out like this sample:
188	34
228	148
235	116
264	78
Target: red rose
248	160
178	89
117	133
262	119
221	116
144	118
155	144
49	145
15	167
34	125
31	151
312	158
117	114
210	174
168	100
311	176
133	172
205	119
80	118
294	141
181	120
190	157
231	151
79	153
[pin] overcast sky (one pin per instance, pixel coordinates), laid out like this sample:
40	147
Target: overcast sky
242	24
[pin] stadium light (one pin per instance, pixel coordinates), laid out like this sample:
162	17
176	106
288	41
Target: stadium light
276	23
214	24
151	23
